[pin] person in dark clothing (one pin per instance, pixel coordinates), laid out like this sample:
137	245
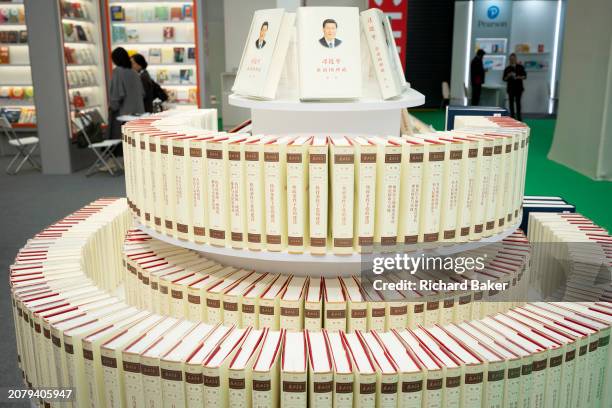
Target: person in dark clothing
126	91
477	76
514	75
152	90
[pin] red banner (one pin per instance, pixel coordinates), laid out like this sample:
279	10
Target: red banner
397	11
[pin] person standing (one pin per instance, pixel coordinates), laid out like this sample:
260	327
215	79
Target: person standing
126	92
152	90
477	76
514	75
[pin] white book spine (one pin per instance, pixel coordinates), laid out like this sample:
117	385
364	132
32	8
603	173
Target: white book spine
365	193
216	160
194	386
275	180
167	187
182	190
388	186
254	196
198	193
450	196
342	196
297	199
237	196
432	194
112	379
410	204
318	198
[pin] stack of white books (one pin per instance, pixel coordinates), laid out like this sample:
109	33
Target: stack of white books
323	52
182	283
574	257
73	334
322	194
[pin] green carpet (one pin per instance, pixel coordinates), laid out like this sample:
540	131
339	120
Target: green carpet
592	198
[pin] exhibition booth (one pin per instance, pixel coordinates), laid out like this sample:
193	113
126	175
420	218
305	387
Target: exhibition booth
532	29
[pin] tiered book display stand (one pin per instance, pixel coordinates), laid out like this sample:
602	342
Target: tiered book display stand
145	302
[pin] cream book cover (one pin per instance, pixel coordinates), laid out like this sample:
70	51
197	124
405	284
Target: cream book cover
335	305
269	303
250	300
343	388
255	198
218	190
313	311
294	370
366	377
411	373
264	53
318	194
411	187
266	371
182	193
167	184
241	367
232	298
388	191
192	367
365	193
388	376
356	305
329	52
383	52
275	190
292	304
320	369
297	195
215	368
342	185
199	185
171	365
237	193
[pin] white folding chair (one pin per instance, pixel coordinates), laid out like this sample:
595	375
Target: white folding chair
103	150
25	146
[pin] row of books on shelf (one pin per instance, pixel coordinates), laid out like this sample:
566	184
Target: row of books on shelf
79	56
19	115
81	77
320	194
12	15
120	34
575	257
174	76
182	95
318	59
76	33
166	55
72	334
16	93
141	13
178	282
14	37
74	9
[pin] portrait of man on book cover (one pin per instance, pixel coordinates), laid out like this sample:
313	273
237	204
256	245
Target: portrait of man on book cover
329	39
261	40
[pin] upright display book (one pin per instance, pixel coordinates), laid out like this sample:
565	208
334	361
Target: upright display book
263	57
383	53
329	53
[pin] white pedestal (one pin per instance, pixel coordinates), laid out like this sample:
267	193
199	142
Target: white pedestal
365	116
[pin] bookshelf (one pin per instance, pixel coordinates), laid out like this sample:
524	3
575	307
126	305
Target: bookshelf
16	90
165	33
83	57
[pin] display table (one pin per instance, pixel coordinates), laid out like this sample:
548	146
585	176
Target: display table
368	116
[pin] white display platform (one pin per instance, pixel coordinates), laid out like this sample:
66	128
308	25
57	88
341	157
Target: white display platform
306	264
367	115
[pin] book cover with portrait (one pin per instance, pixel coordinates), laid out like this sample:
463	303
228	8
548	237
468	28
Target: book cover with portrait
329	53
264	54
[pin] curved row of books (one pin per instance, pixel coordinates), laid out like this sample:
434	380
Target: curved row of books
74	329
325	194
179	282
